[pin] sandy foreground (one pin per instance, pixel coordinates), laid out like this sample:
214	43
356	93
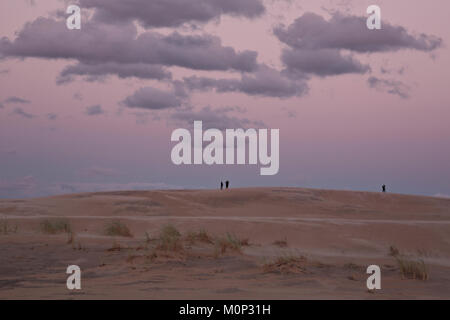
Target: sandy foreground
268	243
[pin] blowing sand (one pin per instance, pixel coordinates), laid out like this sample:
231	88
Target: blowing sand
268	243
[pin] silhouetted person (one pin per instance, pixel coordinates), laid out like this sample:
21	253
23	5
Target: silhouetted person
383	187
227	183
221	185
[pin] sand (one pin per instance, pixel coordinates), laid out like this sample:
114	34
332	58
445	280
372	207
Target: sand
286	243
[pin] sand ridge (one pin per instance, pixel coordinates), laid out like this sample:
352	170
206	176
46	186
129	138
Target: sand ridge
299	243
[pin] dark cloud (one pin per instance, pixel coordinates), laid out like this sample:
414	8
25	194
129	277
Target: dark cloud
78	96
96	72
171	13
217	118
325	62
313	32
1	105
265	81
22	113
152	99
399	71
315	45
94	110
390	86
16	100
98	43
52	116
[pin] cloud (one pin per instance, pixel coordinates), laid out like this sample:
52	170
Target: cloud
171	13
52	116
1	105
441	195
265	82
50	39
315	45
390	86
325	62
94	110
20	187
16	100
313	32
98	71
93	172
78	96
23	114
152	99
218	118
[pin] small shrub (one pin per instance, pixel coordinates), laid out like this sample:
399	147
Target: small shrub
286	264
412	269
229	242
147	238
5	228
169	239
393	251
117	228
55	226
353	266
71	238
115	247
199	236
281	243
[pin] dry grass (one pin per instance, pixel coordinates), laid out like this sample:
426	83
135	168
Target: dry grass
5	228
229	243
71	238
286	264
117	228
393	251
55	226
412	269
199	236
409	268
169	239
281	243
115	246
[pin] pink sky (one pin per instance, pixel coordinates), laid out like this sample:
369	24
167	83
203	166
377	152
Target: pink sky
341	134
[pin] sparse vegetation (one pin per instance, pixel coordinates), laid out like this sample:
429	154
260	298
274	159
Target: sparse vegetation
409	268
115	247
412	269
286	264
117	228
199	236
55	226
71	238
5	228
148	239
229	242
393	251
169	239
281	243
353	266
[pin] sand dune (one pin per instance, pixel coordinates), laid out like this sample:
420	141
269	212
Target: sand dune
289	243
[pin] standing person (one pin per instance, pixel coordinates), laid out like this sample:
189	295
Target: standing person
221	185
227	183
383	187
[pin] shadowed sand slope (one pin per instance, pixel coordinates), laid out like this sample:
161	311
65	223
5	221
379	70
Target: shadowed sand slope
274	243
